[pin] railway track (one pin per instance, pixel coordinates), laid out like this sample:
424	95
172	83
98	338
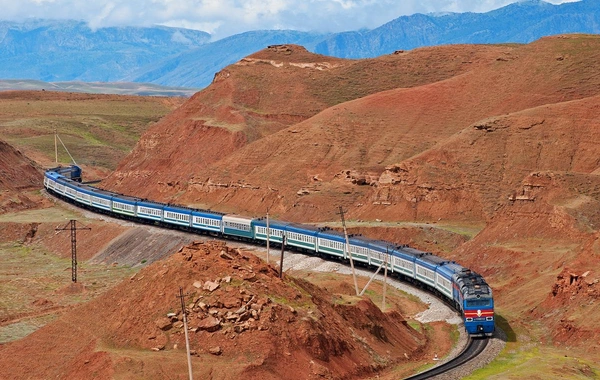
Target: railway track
473	348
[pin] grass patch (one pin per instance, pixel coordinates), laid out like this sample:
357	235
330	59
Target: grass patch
23	328
46	215
415	326
30	273
537	363
96	130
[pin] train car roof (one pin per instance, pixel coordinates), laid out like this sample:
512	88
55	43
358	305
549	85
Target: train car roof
431	259
273	223
101	192
64	169
450	268
382	245
409	250
147	203
331	234
402	254
68	182
308	229
126	198
359	240
84	188
472	284
207	213
178	208
237	218
364	241
52	174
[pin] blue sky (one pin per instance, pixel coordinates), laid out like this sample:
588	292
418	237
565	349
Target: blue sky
222	18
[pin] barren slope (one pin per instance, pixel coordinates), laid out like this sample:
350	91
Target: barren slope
536	174
331	155
18	175
247	323
265	93
510	140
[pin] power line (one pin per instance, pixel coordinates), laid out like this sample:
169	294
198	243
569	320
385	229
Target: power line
348	251
73	227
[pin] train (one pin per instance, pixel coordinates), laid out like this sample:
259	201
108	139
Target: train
461	287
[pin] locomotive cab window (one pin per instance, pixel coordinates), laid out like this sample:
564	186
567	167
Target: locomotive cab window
478	303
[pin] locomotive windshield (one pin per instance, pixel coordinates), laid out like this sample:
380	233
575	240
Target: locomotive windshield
479	302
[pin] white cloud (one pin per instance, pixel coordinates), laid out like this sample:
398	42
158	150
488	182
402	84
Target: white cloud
226	17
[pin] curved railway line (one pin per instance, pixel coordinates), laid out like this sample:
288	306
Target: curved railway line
473	349
82	196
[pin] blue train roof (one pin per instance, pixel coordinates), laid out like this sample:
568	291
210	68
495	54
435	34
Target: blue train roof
330	234
237	218
403	255
471	284
305	229
409	250
179	209
450	269
71	171
207	214
84	188
429	260
378	245
51	174
103	193
125	199
382	245
67	182
273	223
63	180
359	240
149	204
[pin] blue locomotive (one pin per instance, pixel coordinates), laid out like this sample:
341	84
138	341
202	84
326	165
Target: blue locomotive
466	290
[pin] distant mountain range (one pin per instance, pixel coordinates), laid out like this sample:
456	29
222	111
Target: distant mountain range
59	51
520	22
118	88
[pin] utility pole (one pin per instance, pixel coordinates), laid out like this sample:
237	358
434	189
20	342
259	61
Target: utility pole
185	328
348	250
268	234
55	146
387	255
282	250
73	227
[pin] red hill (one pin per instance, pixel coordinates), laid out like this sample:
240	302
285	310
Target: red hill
19	174
504	136
247	323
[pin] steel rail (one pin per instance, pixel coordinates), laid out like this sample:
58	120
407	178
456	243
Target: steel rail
474	347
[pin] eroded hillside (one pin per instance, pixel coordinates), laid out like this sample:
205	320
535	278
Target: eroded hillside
504	137
245	323
18	175
260	97
227	158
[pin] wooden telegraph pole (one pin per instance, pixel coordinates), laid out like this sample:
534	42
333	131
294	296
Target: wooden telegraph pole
348	250
282	251
73	227
387	256
185	328
55	146
268	234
